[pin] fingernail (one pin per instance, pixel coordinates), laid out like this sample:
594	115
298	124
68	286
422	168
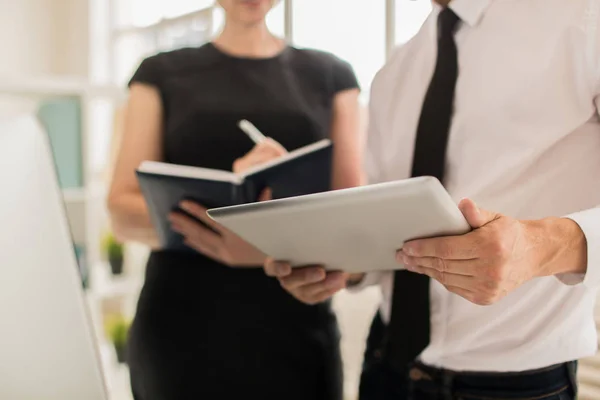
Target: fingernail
338	282
408	249
184	205
405	259
317	275
282	269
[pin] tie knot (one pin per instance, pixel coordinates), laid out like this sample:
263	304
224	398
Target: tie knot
447	21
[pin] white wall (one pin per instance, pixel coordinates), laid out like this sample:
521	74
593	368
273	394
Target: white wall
72	37
26	31
40	38
32	33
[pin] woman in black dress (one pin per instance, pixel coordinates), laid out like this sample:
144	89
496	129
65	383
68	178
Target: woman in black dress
211	325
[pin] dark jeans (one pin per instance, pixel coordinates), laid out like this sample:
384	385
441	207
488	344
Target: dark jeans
381	381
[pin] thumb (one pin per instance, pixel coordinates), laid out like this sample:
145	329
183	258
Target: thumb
475	216
266	195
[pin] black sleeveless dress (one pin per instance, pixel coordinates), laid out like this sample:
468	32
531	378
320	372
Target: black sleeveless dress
203	330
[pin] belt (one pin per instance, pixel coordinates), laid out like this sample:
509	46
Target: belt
558	376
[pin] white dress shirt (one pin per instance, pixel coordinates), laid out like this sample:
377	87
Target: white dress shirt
525	142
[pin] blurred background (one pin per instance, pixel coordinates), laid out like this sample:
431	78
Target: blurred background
68	62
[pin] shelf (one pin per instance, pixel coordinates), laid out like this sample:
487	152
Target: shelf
56	86
79	195
74	195
104	285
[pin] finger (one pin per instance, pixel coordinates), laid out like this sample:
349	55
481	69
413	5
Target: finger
255	159
207	251
199	212
192	208
333	281
302	277
273	147
446	279
260	154
475	216
458	267
266	195
181	224
321	296
277	269
464	247
192	230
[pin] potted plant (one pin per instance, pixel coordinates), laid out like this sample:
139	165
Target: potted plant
114	253
117	329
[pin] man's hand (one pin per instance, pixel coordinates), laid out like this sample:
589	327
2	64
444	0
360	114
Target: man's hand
218	243
499	255
310	285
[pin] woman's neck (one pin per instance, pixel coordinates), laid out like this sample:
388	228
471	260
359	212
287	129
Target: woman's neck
243	41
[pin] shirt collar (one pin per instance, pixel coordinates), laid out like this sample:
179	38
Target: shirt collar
469	11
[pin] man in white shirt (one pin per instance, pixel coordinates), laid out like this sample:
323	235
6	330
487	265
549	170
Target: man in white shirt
506	94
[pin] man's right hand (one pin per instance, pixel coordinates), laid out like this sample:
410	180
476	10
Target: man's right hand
311	284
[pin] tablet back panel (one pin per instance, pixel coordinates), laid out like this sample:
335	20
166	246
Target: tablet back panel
355	230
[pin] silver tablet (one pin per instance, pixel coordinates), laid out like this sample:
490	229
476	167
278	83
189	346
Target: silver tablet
354	230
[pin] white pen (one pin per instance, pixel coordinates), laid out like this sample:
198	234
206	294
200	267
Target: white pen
252	131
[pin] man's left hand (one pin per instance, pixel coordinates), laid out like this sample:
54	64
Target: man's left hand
498	255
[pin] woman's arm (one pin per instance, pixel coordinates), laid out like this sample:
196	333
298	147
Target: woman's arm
142	137
347	135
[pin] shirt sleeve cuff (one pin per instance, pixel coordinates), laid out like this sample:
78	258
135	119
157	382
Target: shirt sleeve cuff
370	279
589	222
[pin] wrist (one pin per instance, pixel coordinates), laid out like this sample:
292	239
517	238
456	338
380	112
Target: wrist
563	249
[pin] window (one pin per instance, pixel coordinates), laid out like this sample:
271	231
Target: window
145	27
275	20
358	34
144	13
355	31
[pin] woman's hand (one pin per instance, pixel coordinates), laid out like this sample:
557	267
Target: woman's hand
218	243
311	284
263	152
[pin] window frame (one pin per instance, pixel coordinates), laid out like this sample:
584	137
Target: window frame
117	32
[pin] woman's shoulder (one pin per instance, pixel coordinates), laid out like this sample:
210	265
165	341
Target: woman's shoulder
159	68
182	59
324	63
316	58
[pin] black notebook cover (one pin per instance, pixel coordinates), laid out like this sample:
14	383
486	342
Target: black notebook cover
164	186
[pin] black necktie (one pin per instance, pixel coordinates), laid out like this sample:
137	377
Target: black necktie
409	327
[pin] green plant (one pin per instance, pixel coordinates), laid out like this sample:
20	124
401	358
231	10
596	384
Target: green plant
111	247
117	329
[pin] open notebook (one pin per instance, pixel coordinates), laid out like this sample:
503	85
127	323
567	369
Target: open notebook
303	171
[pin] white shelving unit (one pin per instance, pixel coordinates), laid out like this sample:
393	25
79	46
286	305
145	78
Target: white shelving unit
85	205
81	202
55	86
